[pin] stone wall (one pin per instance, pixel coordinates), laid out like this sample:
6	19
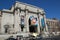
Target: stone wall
12	17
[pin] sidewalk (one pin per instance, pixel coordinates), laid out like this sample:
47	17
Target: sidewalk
5	36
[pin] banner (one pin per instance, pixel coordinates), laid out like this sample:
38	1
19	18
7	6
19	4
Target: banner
22	20
42	23
33	20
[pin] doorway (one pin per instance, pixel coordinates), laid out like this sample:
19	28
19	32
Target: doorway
32	25
6	28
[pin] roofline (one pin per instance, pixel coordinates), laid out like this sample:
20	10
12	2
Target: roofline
29	5
10	10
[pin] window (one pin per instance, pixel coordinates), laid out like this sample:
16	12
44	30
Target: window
13	25
6	28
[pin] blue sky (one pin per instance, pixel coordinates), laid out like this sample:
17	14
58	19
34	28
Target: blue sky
51	7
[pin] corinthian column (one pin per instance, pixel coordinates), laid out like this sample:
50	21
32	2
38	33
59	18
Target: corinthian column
17	21
46	27
38	22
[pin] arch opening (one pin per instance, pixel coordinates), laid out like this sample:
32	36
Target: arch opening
33	24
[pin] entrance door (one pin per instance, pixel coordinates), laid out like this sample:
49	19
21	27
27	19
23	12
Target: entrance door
33	24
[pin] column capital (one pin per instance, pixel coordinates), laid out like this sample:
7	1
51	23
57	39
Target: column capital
26	10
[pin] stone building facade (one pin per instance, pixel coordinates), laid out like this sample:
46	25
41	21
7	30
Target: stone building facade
22	17
53	25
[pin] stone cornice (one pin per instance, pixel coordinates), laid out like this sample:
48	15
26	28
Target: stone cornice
28	8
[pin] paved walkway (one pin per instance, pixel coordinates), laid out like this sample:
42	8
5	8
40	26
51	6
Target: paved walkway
5	36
